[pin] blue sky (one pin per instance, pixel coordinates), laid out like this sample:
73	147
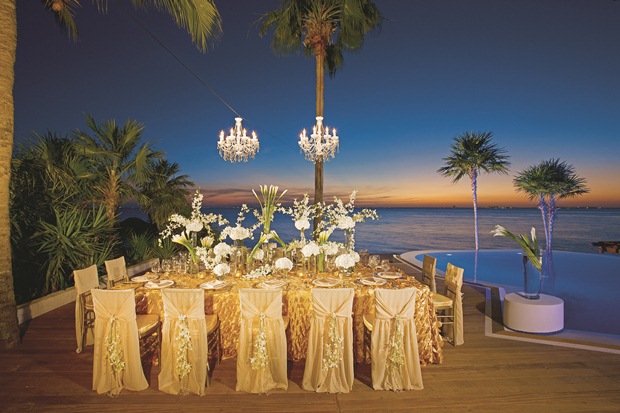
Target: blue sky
541	75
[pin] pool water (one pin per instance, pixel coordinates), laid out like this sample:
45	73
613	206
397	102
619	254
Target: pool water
589	284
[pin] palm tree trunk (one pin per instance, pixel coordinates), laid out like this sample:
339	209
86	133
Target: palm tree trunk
474	188
542	205
551	222
9	332
318	165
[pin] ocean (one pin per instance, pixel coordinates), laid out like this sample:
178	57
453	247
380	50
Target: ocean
400	230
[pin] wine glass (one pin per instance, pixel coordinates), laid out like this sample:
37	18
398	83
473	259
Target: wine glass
155	266
374	260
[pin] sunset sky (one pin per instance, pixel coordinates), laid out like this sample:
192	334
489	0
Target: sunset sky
543	76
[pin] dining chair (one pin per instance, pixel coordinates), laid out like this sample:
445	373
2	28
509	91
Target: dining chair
116	360
429	269
449	305
185	350
395	359
117	271
261	354
329	360
85	280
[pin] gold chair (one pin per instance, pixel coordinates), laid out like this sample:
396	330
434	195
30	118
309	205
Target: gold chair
329	360
117	271
116	360
261	355
429	269
449	305
395	356
185	351
85	280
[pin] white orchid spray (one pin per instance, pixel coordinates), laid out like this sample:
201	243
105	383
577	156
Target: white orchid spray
269	204
239	233
302	212
529	246
190	227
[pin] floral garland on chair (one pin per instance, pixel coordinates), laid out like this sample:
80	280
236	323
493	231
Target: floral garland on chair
396	350
113	355
184	344
260	356
334	347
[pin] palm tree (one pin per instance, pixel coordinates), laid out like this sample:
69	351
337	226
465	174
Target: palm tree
549	181
199	17
323	29
164	192
471	153
118	159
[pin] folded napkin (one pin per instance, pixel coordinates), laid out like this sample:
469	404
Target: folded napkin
272	284
159	284
214	285
372	281
326	282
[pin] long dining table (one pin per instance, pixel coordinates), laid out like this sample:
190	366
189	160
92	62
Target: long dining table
297	305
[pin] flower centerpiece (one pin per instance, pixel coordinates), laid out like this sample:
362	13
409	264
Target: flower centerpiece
346	262
268	203
531	257
283	265
301	212
184	231
221	270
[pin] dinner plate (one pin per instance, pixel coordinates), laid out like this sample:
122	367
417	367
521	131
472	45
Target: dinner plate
140	279
155	285
326	282
374	281
214	285
389	275
271	284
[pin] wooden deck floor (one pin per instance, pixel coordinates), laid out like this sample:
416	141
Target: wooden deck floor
485	374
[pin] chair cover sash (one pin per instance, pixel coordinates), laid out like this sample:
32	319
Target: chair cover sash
329	361
85	280
261	357
116	360
395	356
184	361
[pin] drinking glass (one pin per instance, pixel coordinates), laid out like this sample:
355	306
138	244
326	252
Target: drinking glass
363	257
374	261
385	265
155	266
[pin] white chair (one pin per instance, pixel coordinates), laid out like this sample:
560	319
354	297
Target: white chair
329	361
395	357
85	280
261	355
429	269
116	360
117	271
185	353
449	305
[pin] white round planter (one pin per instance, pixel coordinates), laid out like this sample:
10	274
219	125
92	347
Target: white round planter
545	315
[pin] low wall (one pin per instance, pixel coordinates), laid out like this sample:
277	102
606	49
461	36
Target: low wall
35	308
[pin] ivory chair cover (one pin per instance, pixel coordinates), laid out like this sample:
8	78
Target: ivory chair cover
395	368
115	318
85	280
330	306
429	269
452	289
184	310
117	271
261	359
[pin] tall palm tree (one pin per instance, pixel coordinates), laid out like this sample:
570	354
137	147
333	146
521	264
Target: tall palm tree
547	182
118	158
471	153
199	17
323	29
164	192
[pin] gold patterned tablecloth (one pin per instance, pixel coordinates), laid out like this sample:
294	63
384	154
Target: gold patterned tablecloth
297	304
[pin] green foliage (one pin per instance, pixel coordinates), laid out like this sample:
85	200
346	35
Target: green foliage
166	250
550	178
141	247
77	238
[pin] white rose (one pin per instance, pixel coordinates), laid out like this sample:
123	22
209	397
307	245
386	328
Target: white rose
302	224
259	254
331	248
284	264
346	223
356	256
221	269
222	249
238	233
310	249
345	261
194	226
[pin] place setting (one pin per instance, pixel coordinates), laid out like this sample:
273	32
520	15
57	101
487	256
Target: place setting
158	285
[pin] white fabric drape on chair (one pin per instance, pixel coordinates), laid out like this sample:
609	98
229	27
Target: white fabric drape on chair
329	361
261	356
117	271
116	360
184	353
85	280
395	357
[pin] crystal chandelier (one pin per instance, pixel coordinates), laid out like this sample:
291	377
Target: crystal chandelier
321	146
237	146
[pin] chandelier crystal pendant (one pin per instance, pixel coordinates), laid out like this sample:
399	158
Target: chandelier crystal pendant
237	146
320	146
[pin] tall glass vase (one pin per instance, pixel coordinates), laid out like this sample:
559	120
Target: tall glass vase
192	267
349	239
532	279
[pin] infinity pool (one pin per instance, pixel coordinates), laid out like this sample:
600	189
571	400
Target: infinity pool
589	284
